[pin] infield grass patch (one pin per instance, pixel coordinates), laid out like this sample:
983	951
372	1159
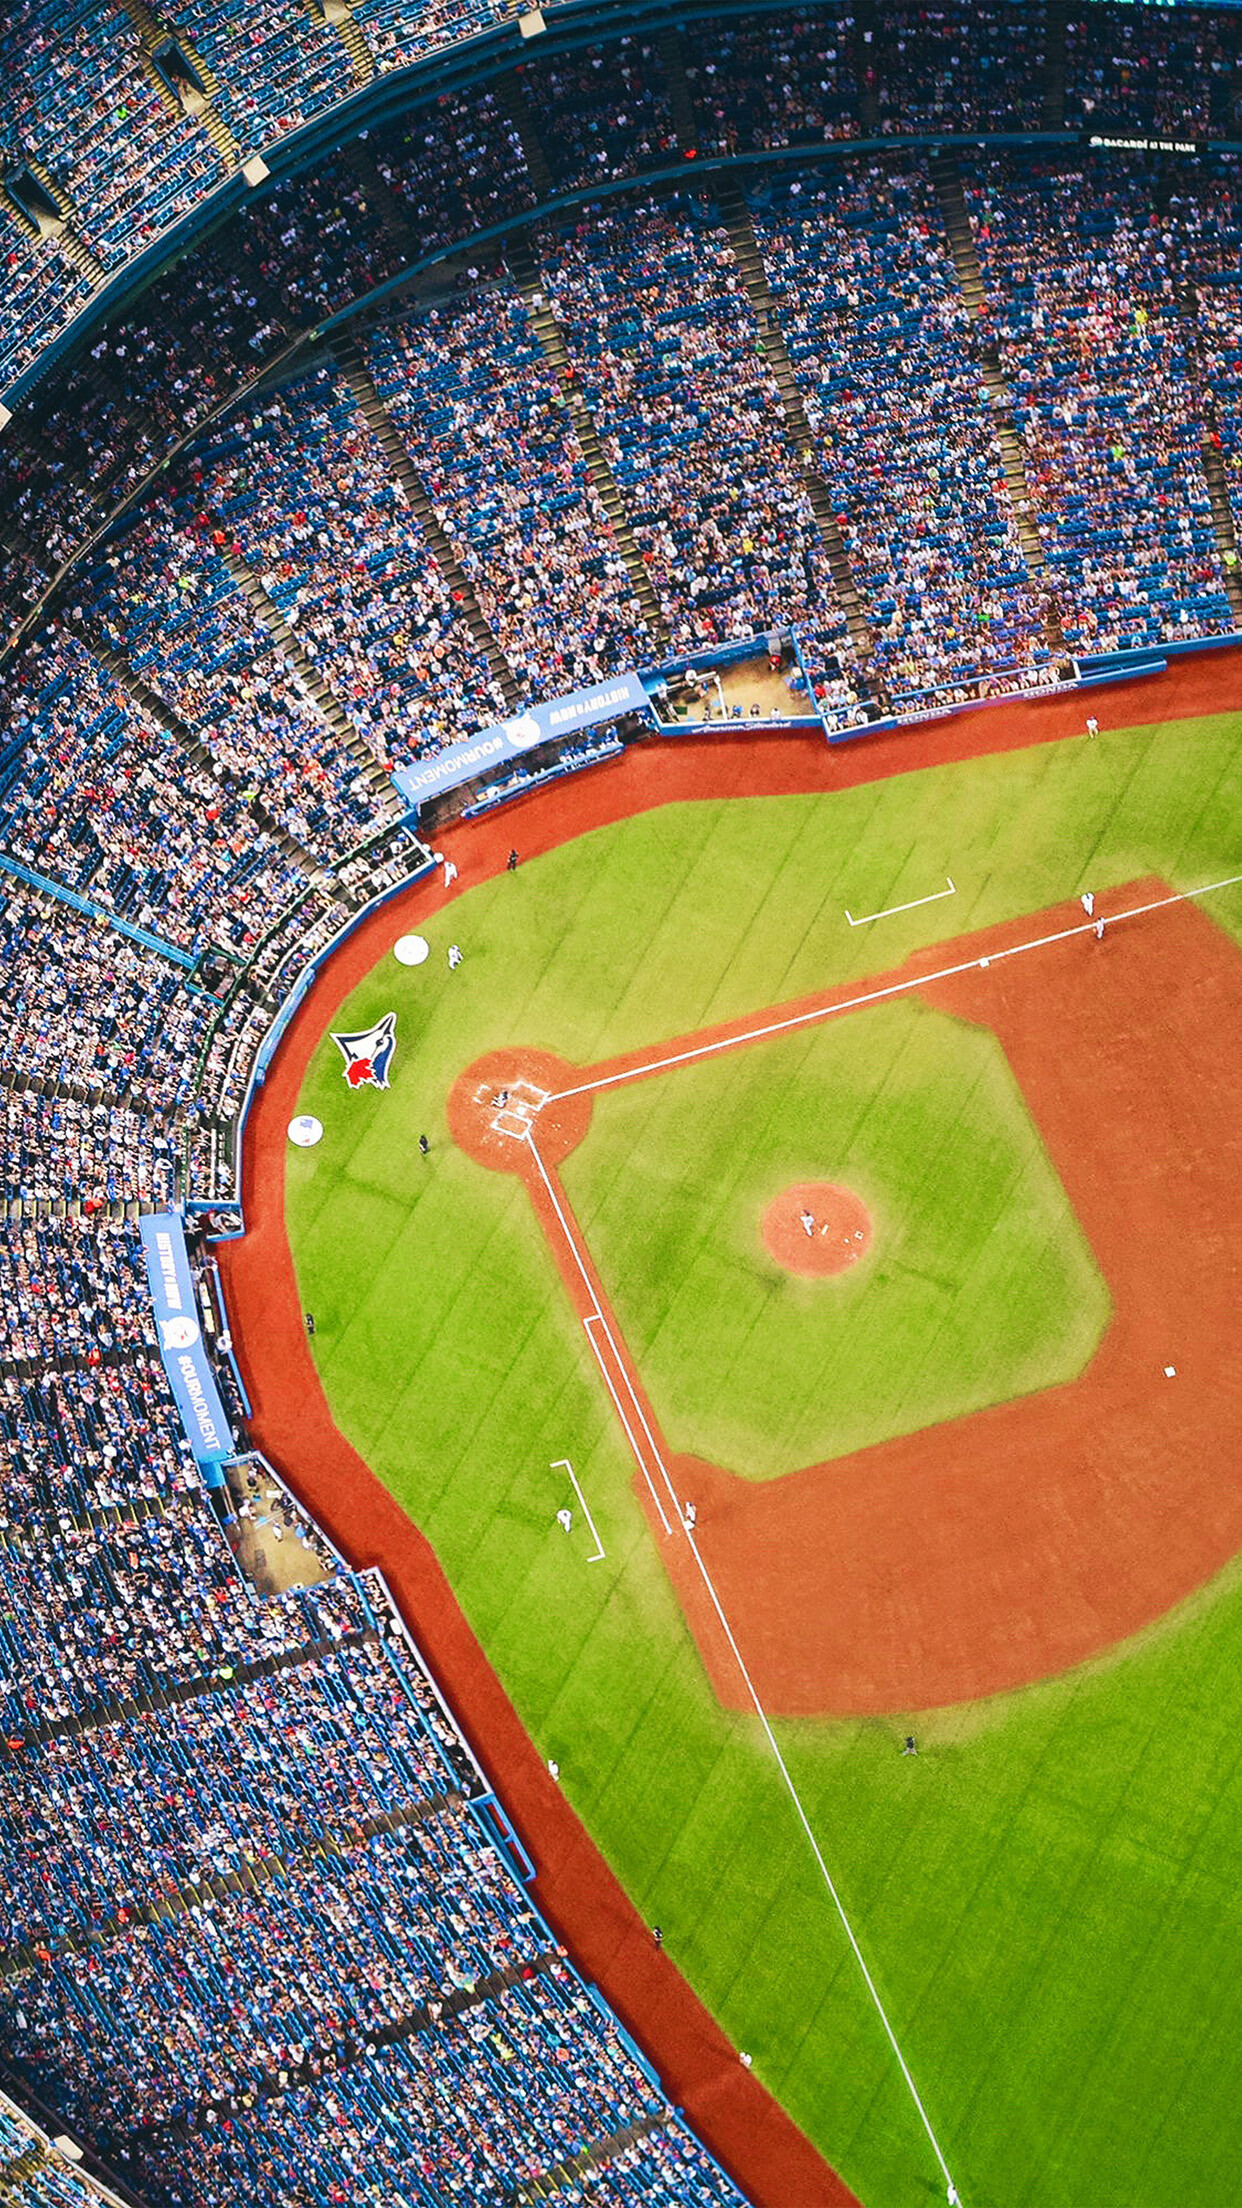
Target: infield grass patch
978	1284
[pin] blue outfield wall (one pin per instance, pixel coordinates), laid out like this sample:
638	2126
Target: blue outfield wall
505	741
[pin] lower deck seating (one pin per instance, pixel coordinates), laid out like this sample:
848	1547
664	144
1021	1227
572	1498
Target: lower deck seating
1083	295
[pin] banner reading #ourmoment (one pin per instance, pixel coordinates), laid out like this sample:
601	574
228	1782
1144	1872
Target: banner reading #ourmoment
541	724
181	1343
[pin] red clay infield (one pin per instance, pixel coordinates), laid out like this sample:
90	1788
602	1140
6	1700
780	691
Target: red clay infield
815	1228
500	1094
771	2159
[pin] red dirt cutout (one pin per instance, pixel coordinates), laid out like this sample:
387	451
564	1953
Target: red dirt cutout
838	1235
988	1552
502	1092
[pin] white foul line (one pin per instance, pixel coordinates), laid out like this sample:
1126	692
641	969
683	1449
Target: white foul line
597	1318
890	989
563	1462
629	1431
864	920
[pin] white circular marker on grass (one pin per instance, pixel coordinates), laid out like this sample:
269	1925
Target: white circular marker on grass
305	1130
411	950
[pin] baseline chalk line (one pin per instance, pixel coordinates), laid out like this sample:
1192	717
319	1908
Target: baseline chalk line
904	987
865	919
562	1463
571	1232
596	1318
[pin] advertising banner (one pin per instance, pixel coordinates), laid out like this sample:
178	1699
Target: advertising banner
506	740
181	1343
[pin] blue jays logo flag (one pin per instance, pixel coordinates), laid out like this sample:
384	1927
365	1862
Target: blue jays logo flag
369	1055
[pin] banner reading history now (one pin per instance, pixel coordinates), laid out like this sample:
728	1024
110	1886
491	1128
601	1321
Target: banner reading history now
181	1343
541	724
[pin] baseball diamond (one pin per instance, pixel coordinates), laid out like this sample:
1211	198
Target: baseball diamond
1029	1567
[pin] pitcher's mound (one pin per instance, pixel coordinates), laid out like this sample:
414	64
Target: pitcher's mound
815	1227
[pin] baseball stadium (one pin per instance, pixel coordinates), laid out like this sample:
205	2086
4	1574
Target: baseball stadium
621	832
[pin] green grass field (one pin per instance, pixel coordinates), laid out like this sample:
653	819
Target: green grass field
978	1284
1049	1894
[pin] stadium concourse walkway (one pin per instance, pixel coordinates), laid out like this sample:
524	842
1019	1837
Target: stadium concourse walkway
741	2123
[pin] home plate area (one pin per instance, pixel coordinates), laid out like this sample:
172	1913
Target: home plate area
531	1083
513	1111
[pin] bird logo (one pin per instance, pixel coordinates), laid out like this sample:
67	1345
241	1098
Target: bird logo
368	1055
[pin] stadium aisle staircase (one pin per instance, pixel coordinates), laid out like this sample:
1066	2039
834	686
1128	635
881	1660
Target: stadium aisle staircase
555	2183
339	2053
952	202
680	98
63	230
1055	15
151	34
75	248
511	93
388	207
384	430
361	59
736	217
172	1693
525	272
152	704
1223	523
866	56
289	645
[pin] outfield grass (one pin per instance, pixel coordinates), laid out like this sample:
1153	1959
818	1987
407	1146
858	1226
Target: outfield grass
1049	1892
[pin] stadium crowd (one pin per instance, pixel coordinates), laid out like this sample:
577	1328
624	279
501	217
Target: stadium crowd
50	2173
474	396
258	1930
1171	72
70	1288
275	65
929	71
162	843
602	111
456	167
165	597
343	557
128	163
1208	231
248	1874
753	91
261	1935
667	361
1083	285
661	336
877	332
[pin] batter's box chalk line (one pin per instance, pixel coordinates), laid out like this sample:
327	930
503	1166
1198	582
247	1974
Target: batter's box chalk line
522	1107
864	919
599	1552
